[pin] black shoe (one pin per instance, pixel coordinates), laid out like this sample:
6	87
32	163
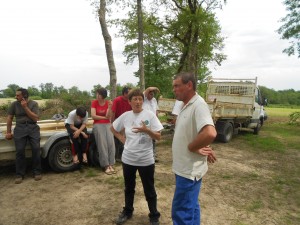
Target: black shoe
122	218
154	222
19	180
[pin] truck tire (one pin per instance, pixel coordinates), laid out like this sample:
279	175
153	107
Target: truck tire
257	128
226	132
60	157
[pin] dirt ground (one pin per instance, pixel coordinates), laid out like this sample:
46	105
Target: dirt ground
231	192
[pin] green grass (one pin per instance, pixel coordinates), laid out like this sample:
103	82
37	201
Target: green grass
276	149
280	112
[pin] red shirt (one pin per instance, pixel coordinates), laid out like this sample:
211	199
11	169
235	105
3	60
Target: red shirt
100	111
120	105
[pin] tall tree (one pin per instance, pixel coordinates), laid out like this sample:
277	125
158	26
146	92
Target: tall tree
196	32
10	91
290	30
108	48
140	44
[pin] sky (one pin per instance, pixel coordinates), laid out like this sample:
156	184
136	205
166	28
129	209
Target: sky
60	42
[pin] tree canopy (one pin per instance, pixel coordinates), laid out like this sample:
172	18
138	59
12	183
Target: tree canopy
290	30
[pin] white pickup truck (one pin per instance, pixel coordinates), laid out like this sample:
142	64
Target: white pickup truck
55	146
235	105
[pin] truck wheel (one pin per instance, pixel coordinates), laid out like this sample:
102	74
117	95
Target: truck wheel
227	133
257	128
93	154
60	157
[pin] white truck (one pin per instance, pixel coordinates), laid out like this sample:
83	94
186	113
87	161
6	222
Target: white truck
235	105
55	146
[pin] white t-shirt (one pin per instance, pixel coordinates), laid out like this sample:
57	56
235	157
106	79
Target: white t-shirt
138	148
191	119
150	104
74	119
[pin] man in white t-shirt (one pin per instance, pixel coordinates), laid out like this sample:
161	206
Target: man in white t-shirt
76	127
150	103
194	132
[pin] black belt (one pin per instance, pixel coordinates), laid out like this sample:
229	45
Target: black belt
27	122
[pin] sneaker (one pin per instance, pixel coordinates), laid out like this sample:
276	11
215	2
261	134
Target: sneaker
18	180
122	218
37	177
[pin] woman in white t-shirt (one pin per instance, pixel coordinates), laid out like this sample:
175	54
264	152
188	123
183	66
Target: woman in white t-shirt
141	126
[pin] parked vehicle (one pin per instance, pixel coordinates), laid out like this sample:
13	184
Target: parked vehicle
55	146
235	105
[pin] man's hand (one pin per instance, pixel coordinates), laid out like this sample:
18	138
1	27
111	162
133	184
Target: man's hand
207	151
24	103
8	136
76	134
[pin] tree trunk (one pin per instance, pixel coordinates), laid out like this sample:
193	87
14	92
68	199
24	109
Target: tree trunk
108	48
140	45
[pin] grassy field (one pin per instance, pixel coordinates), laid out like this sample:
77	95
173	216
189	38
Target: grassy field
4	101
279	144
281	113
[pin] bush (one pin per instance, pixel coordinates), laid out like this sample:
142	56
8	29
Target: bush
36	97
295	118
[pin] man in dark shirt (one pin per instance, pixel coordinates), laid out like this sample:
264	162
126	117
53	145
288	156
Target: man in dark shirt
26	112
120	105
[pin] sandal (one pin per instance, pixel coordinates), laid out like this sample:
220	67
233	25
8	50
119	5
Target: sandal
84	158
108	171
112	170
76	162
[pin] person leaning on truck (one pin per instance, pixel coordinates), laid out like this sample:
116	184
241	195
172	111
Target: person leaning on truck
194	131
26	112
76	127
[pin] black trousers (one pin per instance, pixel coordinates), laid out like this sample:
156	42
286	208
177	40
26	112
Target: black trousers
22	134
80	143
119	148
147	176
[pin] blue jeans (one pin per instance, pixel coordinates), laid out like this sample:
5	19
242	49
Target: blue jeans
185	206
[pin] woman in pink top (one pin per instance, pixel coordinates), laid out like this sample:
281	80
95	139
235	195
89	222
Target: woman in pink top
101	113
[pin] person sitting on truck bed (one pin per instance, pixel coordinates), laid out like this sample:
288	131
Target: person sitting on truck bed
26	112
76	127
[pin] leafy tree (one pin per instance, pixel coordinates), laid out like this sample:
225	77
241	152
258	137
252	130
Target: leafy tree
196	34
159	58
33	91
10	91
47	90
290	29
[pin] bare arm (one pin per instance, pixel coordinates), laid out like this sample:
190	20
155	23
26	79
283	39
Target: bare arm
79	130
29	113
204	138
146	92
9	120
109	112
118	135
96	117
